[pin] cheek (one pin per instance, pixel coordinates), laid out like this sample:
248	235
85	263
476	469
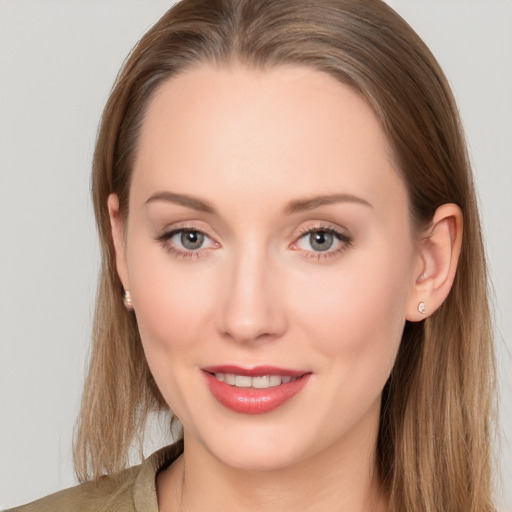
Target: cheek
172	316
356	313
172	302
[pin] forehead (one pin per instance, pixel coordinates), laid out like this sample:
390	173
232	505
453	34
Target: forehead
288	130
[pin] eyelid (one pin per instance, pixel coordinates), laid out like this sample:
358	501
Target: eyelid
329	227
170	229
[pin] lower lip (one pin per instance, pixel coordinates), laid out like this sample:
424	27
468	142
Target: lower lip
252	400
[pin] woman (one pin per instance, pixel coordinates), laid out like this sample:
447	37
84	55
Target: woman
292	264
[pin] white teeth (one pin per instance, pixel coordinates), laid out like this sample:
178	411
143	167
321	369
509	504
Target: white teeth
229	378
261	382
275	380
243	381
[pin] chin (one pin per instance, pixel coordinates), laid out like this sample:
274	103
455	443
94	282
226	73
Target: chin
258	456
265	443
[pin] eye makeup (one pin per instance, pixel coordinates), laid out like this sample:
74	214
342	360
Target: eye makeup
319	241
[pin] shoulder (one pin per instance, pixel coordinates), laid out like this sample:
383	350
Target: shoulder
131	490
106	493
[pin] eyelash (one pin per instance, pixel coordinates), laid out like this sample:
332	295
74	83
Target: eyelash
343	238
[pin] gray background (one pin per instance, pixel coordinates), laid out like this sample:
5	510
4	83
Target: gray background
58	59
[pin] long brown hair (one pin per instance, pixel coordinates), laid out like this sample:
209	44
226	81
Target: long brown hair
433	447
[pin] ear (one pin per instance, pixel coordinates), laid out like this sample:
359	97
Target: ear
438	253
118	236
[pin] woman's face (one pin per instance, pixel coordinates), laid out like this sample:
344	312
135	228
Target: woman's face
268	242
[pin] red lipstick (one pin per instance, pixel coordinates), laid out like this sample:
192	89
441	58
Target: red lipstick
254	390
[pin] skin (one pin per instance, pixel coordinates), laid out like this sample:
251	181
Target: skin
257	292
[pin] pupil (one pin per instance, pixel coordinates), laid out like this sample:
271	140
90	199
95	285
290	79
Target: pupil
321	240
192	239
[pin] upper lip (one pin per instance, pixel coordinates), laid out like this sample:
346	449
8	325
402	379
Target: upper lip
255	371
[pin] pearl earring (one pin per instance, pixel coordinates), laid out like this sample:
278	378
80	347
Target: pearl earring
421	308
127	300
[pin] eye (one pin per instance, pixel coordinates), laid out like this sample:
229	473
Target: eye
186	242
322	242
191	240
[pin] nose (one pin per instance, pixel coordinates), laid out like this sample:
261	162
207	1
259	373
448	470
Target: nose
252	307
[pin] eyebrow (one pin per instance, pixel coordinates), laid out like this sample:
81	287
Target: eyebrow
303	205
297	206
183	200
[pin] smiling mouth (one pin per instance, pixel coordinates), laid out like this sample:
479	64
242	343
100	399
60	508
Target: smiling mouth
259	382
254	390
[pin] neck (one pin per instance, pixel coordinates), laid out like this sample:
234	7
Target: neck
342	478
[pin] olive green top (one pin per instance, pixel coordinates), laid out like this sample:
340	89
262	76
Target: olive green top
131	490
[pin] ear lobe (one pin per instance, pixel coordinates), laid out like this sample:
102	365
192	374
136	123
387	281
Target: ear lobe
439	250
117	230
